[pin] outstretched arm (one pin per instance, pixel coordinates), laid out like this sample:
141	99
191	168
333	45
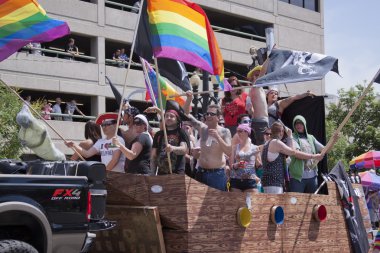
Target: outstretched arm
284	103
282	148
85	153
79	111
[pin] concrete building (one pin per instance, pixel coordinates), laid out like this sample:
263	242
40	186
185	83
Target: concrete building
102	26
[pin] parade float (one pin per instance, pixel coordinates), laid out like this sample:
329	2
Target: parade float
175	213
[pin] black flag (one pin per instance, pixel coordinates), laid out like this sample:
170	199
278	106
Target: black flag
353	216
377	79
115	91
173	70
286	66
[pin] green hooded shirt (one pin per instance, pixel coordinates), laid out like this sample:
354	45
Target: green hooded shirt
297	166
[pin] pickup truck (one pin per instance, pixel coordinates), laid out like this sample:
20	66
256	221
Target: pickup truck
51	206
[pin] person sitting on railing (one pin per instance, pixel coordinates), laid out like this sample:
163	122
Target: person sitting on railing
71	48
117	57
71	107
136	6
34	48
123	55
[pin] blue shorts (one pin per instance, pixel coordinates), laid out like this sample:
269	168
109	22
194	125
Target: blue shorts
215	178
243	184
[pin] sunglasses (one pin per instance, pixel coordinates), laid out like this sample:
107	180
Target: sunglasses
210	114
107	124
221	123
267	133
240	131
138	123
245	121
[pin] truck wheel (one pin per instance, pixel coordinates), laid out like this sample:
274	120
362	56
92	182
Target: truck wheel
14	246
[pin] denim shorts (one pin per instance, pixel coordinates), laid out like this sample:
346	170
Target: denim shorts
243	184
215	178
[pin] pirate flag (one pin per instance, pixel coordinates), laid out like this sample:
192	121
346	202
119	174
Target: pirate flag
353	216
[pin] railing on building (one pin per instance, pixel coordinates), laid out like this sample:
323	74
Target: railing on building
58	53
151	122
215	28
63	116
122	6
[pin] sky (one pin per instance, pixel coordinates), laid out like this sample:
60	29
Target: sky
352	34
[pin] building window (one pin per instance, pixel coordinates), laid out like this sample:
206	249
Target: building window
311	5
307	4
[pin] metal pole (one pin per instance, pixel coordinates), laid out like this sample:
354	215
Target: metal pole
206	96
195	101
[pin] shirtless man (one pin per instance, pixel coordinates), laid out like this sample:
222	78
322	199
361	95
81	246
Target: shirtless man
215	144
260	107
267	109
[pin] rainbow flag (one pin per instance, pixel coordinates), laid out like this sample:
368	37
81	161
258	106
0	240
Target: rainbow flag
181	31
166	89
25	21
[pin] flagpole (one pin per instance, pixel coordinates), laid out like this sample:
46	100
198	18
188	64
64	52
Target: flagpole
129	65
162	112
40	117
147	79
332	140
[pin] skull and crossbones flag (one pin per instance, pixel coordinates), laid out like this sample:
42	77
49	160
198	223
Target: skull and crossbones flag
286	66
350	204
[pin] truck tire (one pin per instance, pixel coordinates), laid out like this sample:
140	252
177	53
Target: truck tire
14	246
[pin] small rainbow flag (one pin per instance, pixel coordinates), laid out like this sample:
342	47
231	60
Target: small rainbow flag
25	21
181	31
166	89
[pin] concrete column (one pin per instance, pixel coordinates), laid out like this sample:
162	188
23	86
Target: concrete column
98	49
101	12
275	8
98	105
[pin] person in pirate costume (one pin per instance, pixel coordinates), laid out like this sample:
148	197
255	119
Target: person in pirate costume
178	146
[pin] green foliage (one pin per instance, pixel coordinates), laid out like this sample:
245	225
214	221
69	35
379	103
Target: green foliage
338	152
362	131
10	105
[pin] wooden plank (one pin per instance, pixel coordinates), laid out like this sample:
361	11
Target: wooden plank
198	218
139	230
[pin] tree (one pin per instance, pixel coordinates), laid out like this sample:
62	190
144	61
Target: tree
10	146
362	131
338	153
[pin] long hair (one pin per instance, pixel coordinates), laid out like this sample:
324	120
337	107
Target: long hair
276	130
227	94
92	131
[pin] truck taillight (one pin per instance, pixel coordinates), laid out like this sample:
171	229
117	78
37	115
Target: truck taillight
88	213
